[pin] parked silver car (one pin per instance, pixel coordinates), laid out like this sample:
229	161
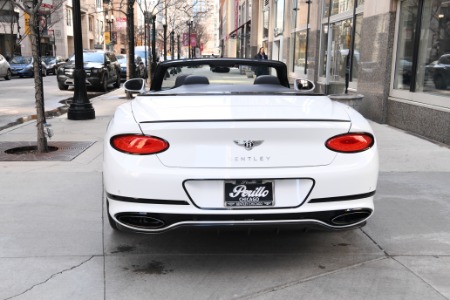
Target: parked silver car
5	69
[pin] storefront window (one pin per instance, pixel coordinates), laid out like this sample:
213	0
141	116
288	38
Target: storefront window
356	54
337	50
423	66
433	74
339	6
298	38
406	36
299	51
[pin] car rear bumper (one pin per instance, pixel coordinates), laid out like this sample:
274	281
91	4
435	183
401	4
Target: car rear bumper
150	222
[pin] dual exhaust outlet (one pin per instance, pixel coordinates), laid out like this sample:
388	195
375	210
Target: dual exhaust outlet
144	222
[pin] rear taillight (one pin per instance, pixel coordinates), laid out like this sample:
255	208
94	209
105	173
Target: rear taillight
138	144
350	142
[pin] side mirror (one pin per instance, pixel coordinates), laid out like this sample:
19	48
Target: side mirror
135	85
304	85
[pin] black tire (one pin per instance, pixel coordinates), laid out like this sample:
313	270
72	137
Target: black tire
439	82
8	75
104	84
117	83
62	86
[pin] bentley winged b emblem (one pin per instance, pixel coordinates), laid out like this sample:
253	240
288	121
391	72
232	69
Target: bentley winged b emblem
248	144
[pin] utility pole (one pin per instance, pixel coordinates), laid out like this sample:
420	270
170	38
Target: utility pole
80	108
131	65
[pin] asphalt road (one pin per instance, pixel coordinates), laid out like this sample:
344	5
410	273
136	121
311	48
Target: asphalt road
17	98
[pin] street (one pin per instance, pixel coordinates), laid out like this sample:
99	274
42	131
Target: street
56	243
18	98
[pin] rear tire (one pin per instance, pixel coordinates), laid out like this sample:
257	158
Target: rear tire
8	75
439	82
104	84
117	83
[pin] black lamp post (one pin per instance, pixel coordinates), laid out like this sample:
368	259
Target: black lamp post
153	43
110	21
80	108
172	45
189	24
165	40
307	37
178	45
131	65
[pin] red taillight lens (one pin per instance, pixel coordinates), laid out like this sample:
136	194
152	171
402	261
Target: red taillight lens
350	142
139	144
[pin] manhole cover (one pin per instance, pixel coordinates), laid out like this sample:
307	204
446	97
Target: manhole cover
27	151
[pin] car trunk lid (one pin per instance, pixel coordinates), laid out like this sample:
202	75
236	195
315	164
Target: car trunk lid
243	132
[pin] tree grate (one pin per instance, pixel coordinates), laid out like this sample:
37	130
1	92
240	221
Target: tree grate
27	151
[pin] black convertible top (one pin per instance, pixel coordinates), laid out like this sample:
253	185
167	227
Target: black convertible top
163	68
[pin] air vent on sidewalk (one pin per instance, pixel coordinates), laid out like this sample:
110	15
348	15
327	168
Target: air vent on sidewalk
27	151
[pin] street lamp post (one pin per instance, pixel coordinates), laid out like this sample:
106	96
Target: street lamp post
165	39
153	43
178	45
80	108
189	24
131	65
172	44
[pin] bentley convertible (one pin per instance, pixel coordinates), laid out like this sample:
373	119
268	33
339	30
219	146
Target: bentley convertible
210	144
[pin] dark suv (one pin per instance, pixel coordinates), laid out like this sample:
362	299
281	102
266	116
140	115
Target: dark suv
101	67
441	72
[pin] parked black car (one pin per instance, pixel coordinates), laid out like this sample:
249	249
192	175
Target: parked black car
53	62
441	72
101	67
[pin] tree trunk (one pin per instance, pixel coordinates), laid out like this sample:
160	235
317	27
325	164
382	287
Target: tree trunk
42	145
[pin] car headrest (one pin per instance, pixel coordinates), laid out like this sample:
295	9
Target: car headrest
266	79
180	80
195	79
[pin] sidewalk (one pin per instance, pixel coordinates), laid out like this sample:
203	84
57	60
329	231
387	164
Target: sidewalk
55	241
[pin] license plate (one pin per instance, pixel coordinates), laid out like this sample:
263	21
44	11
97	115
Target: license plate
248	193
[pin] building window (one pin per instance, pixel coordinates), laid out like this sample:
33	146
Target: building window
339	6
266	16
279	17
69	17
91	23
422	61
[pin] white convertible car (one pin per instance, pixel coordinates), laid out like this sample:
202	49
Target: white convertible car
210	144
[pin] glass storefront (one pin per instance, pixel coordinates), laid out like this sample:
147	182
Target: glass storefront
299	51
340	38
299	35
422	61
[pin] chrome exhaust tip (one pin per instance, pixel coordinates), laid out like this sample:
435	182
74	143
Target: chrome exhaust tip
351	217
142	221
